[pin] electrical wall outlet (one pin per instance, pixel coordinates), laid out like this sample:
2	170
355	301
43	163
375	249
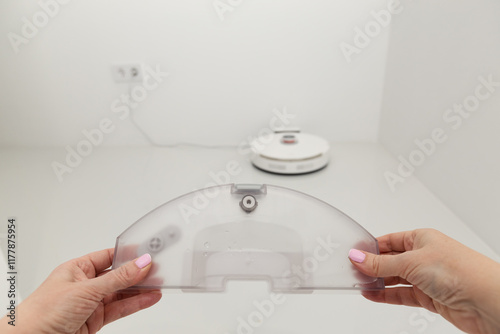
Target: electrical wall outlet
127	72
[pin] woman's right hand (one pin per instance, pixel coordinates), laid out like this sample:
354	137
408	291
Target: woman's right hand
440	275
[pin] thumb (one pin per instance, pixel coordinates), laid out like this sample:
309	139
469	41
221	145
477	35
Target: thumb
123	277
377	265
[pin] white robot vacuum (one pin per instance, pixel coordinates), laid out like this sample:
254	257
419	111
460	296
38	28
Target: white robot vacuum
290	153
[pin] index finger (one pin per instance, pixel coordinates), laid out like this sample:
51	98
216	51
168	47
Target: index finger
396	242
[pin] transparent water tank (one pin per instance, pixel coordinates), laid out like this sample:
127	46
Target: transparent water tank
200	241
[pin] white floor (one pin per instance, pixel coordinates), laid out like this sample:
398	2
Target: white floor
114	187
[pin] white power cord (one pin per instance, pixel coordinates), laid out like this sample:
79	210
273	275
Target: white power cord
175	145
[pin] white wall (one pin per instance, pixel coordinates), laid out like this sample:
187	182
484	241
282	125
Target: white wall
434	60
226	76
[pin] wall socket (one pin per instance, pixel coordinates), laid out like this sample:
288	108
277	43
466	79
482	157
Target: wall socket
127	72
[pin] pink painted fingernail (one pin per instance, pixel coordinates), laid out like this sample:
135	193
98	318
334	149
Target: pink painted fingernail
357	256
143	261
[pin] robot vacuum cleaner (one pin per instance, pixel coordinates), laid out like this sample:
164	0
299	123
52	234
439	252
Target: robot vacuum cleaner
290	153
